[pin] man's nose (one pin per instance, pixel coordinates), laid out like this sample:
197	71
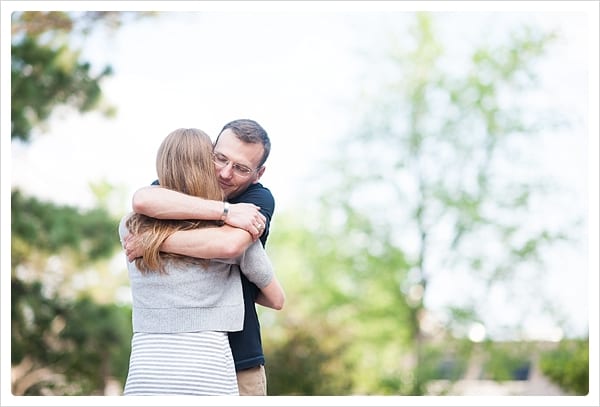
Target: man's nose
227	171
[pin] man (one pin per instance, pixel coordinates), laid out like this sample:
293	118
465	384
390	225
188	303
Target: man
240	152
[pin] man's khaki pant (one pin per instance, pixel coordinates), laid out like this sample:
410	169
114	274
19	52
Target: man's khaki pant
252	382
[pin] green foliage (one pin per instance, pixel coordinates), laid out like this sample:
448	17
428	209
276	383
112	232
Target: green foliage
71	347
447	361
32	314
47	70
568	366
50	228
43	78
510	361
309	361
349	293
47	73
413	194
61	344
419	186
101	336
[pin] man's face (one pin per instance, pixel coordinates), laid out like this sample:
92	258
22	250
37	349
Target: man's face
238	156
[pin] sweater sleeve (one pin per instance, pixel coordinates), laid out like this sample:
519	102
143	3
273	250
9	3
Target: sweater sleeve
256	265
122	228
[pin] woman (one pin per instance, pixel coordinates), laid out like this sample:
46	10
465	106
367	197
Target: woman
184	307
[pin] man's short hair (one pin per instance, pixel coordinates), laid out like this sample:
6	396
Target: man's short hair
251	132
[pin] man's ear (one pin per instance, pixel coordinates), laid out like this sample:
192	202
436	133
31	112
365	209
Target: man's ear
259	174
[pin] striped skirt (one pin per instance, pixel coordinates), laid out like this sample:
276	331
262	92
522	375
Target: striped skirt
191	363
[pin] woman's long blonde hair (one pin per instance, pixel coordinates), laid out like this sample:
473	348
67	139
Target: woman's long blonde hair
184	163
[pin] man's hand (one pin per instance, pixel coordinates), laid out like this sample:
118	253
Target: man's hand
246	216
133	246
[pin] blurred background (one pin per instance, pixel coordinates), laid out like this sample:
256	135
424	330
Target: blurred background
430	171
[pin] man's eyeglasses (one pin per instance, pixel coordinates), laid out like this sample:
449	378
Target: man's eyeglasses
222	161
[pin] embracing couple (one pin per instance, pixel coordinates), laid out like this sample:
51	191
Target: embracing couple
197	266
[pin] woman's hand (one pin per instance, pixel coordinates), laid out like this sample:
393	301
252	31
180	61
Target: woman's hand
248	217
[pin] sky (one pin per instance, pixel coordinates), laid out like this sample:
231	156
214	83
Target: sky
302	64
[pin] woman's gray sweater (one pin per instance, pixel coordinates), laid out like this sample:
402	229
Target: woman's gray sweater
193	298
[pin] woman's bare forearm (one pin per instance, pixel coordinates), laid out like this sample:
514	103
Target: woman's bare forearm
163	203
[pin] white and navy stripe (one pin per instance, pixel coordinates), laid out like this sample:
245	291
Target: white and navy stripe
191	363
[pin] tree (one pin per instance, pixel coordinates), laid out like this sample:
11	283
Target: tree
307	346
568	365
341	304
423	181
47	71
48	228
64	341
65	347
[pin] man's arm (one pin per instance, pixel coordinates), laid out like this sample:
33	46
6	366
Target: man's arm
271	296
163	203
207	243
